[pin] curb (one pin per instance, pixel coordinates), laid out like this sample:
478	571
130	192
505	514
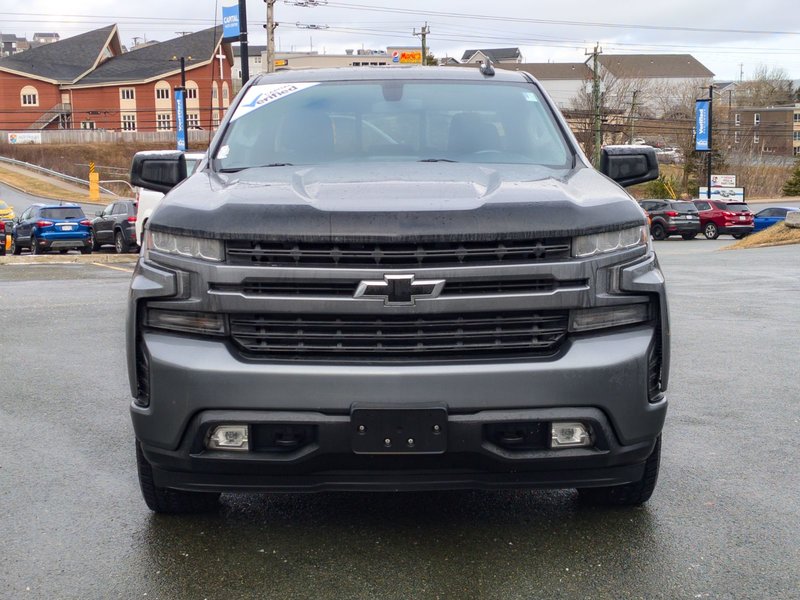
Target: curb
67	259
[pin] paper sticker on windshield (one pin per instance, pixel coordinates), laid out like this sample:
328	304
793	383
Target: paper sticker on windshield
261	95
531	97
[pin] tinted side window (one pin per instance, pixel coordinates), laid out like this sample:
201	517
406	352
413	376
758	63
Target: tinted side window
702	205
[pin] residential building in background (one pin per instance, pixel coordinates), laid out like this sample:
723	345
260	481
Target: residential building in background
88	82
772	130
496	55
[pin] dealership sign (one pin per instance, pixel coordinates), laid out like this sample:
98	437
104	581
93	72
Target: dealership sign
723	181
726	194
230	22
702	126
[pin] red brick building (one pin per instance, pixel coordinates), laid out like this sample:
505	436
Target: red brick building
87	82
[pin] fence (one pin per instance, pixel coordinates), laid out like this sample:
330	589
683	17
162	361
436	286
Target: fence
96	136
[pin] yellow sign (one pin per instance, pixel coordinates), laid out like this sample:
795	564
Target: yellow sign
281	62
411	57
91	167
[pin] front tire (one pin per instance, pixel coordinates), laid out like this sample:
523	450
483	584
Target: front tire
738	236
93	238
658	232
629	494
173	502
15	249
711	232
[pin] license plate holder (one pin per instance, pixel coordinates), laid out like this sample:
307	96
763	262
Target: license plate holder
412	430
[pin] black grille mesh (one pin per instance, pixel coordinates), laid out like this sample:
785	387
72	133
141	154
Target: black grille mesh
399	337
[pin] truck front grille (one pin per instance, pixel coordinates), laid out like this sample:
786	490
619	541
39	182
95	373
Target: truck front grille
370	255
399	337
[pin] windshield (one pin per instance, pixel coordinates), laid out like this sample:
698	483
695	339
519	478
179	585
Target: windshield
62	213
314	123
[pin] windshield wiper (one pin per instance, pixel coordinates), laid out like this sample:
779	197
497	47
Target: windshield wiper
437	160
237	169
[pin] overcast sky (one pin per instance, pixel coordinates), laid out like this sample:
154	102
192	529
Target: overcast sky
725	36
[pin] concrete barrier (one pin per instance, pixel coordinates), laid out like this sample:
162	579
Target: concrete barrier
67	259
793	219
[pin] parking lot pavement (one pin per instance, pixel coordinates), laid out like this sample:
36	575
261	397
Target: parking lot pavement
722	522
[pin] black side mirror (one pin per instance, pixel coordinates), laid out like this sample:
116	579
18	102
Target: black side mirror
159	171
98	213
629	165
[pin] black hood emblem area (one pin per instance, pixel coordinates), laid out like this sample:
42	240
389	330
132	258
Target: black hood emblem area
399	290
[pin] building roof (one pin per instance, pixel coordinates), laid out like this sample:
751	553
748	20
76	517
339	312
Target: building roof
654	65
64	61
251	50
46	35
545	71
9	37
156	61
493	54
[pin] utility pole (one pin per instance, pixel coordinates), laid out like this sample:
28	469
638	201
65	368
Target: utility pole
633	116
423	35
270	27
598	134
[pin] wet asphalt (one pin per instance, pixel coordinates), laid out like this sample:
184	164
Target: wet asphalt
724	521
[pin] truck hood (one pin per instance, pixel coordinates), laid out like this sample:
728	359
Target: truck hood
396	201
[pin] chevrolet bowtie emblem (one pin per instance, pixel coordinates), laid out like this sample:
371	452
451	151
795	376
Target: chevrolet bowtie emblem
400	290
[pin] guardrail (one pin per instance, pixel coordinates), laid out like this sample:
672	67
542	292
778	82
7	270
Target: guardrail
51	173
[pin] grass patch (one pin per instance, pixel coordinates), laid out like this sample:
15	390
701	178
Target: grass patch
777	235
37	187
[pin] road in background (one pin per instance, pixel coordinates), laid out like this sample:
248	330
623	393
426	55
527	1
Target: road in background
721	524
20	201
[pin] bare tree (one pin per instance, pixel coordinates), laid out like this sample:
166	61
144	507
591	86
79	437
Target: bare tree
767	87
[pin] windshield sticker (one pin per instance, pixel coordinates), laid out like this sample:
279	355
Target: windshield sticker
261	95
531	97
223	152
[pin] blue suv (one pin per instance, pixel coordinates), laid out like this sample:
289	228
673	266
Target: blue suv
45	227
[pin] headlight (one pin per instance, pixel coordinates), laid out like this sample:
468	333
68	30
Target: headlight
184	245
610	241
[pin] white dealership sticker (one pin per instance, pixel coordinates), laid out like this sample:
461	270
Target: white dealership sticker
261	95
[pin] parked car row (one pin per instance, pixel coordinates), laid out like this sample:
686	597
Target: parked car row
115	224
712	218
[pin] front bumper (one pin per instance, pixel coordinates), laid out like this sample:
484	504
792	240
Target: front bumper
600	378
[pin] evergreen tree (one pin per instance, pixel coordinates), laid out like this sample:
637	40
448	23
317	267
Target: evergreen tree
792	186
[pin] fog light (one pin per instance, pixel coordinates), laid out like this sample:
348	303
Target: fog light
229	437
569	435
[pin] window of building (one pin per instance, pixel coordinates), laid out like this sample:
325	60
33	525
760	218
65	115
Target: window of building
257	59
193	120
129	122
214	91
88	125
163	121
29	96
737	119
796	117
127	93
797	151
757	119
215	118
756	138
737	137
796	136
191	93
162	93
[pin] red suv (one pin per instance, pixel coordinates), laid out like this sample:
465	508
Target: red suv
718	217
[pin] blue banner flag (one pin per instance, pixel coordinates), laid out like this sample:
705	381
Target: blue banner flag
230	22
180	119
702	126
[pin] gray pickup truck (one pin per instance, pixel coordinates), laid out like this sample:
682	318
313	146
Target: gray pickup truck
396	279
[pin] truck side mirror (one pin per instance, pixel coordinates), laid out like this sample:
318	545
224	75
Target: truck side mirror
629	165
158	171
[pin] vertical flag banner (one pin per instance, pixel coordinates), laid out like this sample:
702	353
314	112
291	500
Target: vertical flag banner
180	119
701	126
230	22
